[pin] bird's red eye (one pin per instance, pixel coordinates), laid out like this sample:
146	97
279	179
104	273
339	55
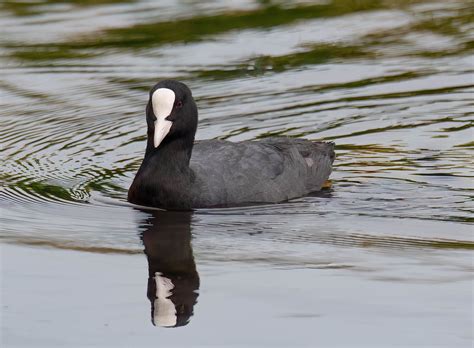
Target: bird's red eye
179	104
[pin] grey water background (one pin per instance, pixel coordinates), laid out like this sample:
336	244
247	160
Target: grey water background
382	258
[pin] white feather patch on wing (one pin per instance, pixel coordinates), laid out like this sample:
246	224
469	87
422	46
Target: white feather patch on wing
162	101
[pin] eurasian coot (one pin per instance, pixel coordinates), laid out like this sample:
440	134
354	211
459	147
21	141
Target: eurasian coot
180	174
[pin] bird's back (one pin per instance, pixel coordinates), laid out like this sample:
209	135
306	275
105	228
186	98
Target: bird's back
267	171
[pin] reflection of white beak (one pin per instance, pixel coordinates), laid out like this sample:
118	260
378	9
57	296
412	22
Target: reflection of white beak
164	309
162	101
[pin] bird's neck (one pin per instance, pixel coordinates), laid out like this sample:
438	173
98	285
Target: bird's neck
171	154
164	178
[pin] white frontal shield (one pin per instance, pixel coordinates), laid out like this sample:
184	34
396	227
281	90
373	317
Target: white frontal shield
162	101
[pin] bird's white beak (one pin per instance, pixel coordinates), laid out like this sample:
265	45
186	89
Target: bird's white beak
162	101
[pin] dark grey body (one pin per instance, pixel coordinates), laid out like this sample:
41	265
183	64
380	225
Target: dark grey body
224	174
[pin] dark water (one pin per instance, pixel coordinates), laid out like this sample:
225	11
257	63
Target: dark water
382	258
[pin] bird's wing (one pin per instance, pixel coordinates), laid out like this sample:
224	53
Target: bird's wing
243	172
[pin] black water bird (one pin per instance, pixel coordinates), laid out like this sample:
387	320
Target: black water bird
178	173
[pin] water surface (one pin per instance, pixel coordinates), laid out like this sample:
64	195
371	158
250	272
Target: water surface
382	258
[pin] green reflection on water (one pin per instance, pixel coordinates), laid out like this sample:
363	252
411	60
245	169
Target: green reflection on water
52	53
318	54
200	27
196	28
44	190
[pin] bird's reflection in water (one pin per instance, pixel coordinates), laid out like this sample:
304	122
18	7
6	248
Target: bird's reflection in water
173	280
